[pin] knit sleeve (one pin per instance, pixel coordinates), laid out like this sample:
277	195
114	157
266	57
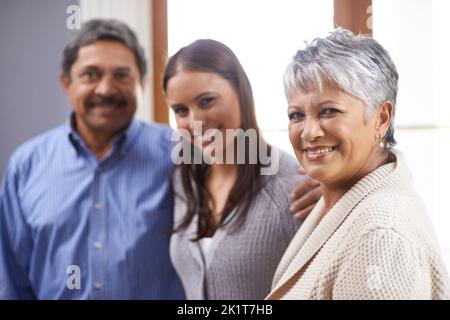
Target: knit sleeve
385	265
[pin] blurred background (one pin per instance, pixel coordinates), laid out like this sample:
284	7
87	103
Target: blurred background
264	34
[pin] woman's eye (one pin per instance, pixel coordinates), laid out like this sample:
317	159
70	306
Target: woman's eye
296	116
180	111
329	111
204	102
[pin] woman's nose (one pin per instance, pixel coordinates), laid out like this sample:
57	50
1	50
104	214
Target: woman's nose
196	120
312	129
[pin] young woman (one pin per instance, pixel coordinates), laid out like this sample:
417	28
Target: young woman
232	223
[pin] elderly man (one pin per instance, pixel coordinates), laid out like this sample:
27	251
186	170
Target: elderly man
86	210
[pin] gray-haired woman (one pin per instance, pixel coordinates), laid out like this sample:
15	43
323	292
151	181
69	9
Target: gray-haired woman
369	236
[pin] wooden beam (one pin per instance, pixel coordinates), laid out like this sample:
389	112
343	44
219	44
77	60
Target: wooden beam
160	48
354	15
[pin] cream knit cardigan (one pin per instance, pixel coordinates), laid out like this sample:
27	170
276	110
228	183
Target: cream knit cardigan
375	243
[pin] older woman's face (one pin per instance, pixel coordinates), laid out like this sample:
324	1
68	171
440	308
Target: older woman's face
330	135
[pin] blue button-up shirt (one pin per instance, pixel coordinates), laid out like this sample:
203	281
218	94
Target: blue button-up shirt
74	227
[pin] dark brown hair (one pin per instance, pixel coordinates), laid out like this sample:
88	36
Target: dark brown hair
212	56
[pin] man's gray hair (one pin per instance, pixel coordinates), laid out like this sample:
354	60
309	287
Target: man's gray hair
357	65
103	29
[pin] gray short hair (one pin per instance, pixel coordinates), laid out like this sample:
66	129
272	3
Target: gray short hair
357	65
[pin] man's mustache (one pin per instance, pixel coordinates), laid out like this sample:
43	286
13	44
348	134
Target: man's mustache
112	101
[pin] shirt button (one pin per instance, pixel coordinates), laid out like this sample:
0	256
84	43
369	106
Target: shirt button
98	244
97	285
98	205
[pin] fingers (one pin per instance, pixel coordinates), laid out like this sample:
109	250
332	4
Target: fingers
301	170
303	187
302	214
306	202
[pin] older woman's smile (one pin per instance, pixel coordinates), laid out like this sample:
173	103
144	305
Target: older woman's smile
316	153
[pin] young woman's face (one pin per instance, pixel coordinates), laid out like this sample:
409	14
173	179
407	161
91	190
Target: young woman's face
331	136
207	99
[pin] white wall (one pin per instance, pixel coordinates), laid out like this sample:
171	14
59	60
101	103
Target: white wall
415	32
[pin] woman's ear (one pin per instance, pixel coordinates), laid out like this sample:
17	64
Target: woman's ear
384	117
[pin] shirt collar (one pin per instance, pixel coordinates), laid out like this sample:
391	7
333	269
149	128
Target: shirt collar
123	140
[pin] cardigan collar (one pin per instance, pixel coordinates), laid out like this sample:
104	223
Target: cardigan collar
203	259
315	232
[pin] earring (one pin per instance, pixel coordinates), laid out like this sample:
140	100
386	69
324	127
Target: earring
381	142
